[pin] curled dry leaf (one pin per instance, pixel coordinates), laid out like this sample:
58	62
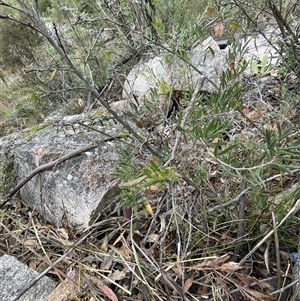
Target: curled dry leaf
122	252
230	266
32	264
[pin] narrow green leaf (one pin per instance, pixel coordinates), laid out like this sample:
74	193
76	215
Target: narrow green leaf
254	67
235	24
132	182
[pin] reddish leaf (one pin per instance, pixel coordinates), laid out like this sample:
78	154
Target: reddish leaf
219	30
109	293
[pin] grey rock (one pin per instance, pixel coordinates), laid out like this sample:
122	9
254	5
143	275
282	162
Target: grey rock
296	275
15	276
74	192
207	58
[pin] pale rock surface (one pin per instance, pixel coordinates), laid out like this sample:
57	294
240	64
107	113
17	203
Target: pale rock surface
75	192
15	276
207	60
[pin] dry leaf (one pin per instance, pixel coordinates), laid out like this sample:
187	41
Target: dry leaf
219	30
66	290
149	208
118	275
53	74
109	293
96	281
230	266
246	109
253	295
177	268
32	264
153	237
126	252
153	188
62	233
139	124
107	261
248	280
30	243
188	283
122	252
211	9
257	296
104	244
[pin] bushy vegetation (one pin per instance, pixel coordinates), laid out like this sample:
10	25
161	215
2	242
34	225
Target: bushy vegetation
206	189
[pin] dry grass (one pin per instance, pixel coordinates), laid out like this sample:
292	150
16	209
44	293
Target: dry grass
181	252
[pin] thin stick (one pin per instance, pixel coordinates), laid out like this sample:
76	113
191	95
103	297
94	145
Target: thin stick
276	240
241	225
184	119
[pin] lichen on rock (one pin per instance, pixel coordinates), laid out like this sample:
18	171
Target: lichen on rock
7	172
